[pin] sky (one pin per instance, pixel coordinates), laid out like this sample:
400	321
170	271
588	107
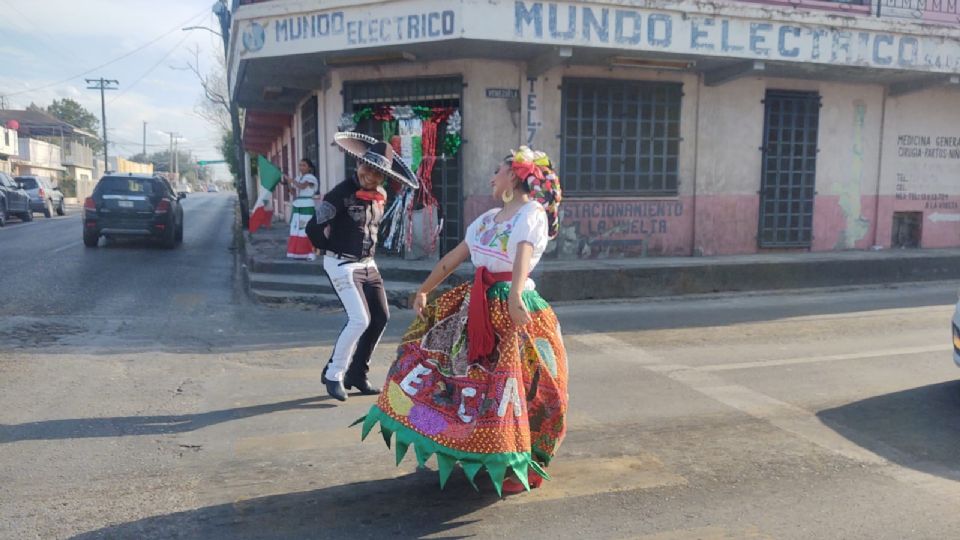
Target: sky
45	42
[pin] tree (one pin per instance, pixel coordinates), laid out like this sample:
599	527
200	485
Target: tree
228	151
161	163
74	114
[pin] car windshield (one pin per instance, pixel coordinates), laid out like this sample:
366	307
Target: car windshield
139	186
27	183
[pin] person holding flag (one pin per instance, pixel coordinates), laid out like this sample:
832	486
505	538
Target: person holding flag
306	186
270	176
346	228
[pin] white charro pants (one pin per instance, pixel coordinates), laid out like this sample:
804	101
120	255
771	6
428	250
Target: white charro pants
360	289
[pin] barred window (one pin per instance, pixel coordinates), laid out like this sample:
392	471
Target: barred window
308	115
620	137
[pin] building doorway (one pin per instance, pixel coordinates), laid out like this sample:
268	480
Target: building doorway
788	176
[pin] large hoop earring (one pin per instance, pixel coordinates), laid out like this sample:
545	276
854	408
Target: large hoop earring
505	197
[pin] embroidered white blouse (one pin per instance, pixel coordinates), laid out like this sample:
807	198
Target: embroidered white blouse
494	244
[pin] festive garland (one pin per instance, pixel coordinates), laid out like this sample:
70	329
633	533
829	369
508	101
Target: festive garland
390	114
397	123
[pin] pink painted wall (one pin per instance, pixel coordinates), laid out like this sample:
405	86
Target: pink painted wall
727	224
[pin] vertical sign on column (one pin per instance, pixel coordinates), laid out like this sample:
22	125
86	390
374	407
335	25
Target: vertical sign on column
531	112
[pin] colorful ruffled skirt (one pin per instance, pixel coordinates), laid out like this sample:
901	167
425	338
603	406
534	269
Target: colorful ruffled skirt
505	413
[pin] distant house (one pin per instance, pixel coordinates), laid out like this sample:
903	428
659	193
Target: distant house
9	148
53	148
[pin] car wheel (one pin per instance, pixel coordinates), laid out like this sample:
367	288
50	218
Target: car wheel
91	239
27	216
61	211
179	235
47	209
3	215
169	240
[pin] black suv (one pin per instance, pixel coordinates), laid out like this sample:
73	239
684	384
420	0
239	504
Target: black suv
133	205
13	200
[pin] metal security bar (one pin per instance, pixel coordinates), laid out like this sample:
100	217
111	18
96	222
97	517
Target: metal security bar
308	114
427	92
620	137
788	183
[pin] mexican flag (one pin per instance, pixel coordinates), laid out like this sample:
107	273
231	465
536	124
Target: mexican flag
269	178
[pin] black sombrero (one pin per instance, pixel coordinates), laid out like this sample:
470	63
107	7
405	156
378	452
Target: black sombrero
378	155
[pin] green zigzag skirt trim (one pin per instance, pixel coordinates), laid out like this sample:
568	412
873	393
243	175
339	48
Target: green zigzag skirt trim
532	299
497	465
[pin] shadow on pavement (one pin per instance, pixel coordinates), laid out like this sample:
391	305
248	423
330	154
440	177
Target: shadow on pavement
411	506
122	426
917	428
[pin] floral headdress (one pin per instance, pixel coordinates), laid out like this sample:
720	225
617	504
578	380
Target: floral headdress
534	168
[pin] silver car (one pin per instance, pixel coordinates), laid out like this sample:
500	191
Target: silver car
44	196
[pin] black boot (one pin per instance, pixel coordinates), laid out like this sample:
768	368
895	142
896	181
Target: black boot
362	385
336	390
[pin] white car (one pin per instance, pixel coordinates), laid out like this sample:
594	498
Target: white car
956	335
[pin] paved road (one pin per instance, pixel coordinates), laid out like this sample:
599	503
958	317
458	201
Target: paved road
188	412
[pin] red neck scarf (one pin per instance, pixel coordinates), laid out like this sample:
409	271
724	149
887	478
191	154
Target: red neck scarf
370	195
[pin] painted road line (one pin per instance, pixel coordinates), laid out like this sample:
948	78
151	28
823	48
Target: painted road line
66	247
785	416
829	358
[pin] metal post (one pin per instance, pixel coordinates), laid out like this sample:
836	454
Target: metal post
224	16
144	140
176	161
103	85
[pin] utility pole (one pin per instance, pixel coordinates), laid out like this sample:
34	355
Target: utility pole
173	137
176	161
225	17
103	85
144	140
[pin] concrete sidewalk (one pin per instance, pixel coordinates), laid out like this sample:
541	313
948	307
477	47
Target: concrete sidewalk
274	279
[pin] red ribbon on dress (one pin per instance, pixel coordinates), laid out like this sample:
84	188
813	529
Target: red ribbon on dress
370	195
480	336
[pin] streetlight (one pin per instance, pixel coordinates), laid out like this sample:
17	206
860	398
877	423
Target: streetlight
220	9
211	30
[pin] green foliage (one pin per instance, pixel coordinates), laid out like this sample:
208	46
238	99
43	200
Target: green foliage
229	152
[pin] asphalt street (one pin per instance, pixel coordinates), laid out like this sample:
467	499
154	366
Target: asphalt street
142	395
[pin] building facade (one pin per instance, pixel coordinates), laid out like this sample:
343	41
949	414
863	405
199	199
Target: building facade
78	162
678	127
9	148
39	158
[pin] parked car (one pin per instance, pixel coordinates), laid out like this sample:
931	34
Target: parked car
13	200
133	205
44	196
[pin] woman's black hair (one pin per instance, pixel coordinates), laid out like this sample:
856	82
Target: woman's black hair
313	168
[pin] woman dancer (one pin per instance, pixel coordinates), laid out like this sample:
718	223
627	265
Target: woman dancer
481	377
306	185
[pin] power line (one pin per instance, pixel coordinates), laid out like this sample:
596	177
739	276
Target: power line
149	71
105	64
34	30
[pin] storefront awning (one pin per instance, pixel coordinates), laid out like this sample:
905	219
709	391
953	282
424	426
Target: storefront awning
262	128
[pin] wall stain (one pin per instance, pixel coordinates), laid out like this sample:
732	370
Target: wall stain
850	191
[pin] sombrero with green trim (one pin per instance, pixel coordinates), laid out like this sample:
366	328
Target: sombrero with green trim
376	154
